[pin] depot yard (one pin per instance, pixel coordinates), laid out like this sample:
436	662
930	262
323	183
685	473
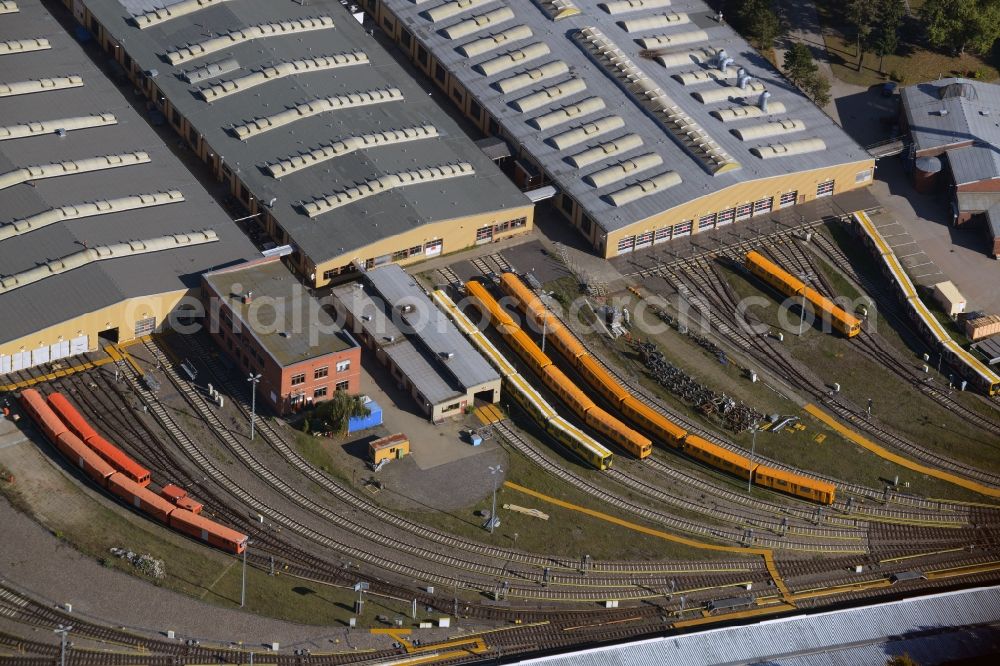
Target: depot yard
817	447
896	403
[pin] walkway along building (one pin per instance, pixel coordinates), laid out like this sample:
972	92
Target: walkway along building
651	118
314	127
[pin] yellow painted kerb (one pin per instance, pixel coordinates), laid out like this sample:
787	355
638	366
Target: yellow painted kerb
882	452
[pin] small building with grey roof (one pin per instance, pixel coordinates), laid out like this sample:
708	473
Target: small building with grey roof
103	232
393	316
653	119
316	129
952	125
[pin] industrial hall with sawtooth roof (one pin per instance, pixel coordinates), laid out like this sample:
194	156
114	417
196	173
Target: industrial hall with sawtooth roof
316	128
652	118
103	230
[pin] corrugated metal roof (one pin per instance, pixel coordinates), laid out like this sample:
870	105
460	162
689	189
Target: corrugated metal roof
379	323
98	285
360	223
452	352
936	122
793	640
584	65
974	163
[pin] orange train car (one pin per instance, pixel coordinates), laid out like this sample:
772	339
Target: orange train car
119	460
844	323
487	304
795	484
568	392
71	417
189	504
102	447
717	456
525	347
646	417
597	377
208	531
83	457
141	498
40	412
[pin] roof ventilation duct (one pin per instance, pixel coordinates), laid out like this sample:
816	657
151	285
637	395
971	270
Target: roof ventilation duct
762	102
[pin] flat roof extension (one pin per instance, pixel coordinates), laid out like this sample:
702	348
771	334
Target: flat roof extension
290	324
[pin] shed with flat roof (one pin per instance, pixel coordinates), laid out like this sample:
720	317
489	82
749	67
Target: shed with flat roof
426	354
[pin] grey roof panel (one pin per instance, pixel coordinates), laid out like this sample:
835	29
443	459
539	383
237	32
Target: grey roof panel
974	163
936	122
353	226
802	635
289	324
451	351
696	181
48	302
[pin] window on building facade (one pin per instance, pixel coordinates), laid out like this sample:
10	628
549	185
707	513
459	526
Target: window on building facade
342	386
343	366
683	229
662	235
707	222
824	189
762	206
862	176
484	234
298	379
744	212
645	239
145	326
320	392
320	373
788	198
626	244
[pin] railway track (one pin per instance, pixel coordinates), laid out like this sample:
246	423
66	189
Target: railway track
508	556
598	587
700	275
737	536
934	507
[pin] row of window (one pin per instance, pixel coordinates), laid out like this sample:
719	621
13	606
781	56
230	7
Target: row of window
323	391
715	220
485	234
320	373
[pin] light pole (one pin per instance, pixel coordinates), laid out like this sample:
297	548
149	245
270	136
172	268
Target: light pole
243	586
254	379
802	312
62	631
495	470
753	447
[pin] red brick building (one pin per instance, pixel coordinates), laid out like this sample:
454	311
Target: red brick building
266	321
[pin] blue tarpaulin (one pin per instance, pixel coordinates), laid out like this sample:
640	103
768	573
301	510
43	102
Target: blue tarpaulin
358	423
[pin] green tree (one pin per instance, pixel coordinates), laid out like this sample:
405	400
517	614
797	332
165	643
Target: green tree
902	660
962	24
801	70
884	38
335	412
756	20
862	16
799	64
817	86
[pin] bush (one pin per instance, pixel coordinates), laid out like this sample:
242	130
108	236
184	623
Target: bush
896	76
